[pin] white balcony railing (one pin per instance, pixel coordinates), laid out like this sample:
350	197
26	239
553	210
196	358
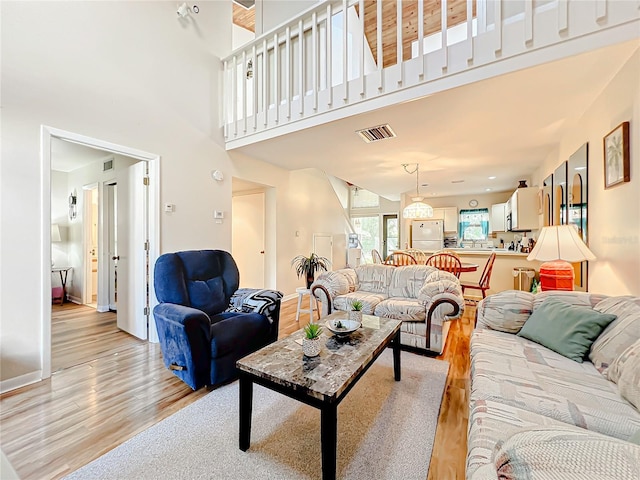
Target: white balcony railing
346	53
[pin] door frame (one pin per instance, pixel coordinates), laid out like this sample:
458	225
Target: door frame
153	161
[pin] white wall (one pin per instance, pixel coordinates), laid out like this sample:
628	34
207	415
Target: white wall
126	72
241	36
60	216
271	13
302	201
613	214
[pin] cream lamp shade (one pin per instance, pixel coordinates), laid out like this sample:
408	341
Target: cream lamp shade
557	246
560	242
55	233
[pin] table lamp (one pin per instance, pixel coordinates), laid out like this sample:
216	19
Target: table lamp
557	246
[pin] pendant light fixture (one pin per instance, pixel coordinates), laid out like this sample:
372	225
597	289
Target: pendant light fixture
417	209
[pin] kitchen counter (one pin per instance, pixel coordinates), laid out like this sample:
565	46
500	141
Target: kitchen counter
502	274
487	251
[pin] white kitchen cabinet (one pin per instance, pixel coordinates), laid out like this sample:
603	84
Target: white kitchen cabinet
499	217
450	217
522	209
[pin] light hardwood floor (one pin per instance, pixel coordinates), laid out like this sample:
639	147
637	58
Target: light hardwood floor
119	387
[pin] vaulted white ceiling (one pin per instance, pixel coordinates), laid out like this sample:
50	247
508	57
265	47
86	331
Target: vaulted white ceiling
503	127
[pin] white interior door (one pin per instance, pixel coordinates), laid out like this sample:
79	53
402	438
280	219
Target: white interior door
323	246
132	256
248	238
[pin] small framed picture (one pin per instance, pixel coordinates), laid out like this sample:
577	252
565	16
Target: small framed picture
616	156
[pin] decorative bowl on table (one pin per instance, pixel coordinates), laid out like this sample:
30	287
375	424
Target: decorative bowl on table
342	326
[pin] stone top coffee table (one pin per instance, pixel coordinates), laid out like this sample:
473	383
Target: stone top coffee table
321	381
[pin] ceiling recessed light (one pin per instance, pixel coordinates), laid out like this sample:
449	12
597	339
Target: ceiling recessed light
488	189
492	178
457	181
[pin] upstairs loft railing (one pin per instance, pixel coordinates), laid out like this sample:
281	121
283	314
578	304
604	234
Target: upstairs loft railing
343	53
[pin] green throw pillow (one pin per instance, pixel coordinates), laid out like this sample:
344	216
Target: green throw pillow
564	328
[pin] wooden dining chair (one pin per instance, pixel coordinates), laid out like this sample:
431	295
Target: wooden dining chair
400	259
377	258
483	284
447	262
420	255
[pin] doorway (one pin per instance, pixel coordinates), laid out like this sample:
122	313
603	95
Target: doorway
136	319
253	232
248	237
390	234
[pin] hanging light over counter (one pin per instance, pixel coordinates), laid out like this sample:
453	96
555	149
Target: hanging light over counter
417	209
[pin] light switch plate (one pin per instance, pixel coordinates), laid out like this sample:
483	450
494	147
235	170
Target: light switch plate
218	214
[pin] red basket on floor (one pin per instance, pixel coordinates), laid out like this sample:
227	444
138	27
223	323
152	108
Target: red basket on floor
57	294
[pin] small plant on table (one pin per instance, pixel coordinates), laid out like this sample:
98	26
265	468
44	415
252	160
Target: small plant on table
311	341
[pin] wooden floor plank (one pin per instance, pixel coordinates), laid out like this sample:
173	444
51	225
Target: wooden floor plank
108	386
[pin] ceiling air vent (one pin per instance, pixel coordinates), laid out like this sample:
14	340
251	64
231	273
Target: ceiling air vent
108	165
374	134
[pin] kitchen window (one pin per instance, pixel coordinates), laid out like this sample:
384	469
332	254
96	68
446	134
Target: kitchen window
474	224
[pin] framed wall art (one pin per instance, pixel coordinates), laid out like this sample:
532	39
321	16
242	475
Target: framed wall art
616	156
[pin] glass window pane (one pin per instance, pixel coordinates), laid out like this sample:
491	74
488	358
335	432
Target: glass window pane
363	198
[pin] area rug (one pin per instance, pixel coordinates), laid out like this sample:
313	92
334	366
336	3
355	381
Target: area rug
385	431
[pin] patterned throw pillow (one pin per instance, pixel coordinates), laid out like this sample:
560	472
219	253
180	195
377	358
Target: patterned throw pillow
625	371
505	311
620	334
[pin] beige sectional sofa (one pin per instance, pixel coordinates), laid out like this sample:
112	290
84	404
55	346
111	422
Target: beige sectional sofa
423	297
537	414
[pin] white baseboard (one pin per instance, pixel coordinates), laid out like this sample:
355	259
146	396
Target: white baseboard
20	381
291	296
74	299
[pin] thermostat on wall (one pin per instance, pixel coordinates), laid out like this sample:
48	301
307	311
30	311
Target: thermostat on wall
218	214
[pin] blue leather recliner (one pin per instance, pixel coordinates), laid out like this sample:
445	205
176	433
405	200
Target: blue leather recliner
205	324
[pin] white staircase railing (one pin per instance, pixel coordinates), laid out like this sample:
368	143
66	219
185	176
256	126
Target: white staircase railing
324	61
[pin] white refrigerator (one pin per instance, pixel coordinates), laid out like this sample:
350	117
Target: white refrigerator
427	235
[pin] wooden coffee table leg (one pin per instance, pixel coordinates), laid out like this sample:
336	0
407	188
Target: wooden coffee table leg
328	440
246	403
395	343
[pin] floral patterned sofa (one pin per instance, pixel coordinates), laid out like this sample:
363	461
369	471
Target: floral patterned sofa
537	414
423	297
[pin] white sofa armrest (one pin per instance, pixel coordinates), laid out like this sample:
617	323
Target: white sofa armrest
556	452
329	285
433	294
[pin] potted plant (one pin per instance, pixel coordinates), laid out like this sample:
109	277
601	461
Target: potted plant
308	266
311	341
356	311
